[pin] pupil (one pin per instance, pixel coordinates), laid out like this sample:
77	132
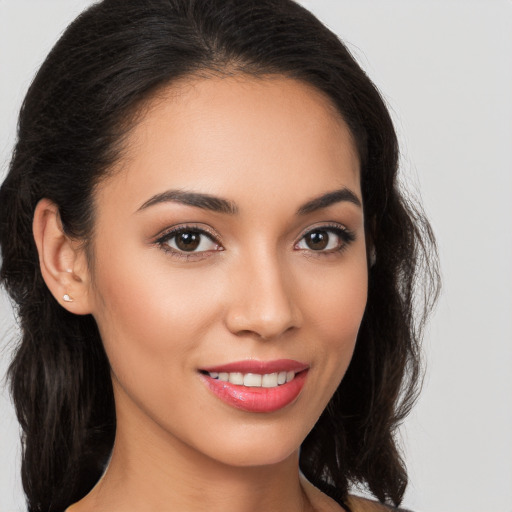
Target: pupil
188	241
318	240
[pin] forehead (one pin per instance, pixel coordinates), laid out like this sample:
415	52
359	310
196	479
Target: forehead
237	136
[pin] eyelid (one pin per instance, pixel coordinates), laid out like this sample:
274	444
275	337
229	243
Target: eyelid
200	228
326	226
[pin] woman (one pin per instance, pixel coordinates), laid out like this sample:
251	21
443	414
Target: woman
213	265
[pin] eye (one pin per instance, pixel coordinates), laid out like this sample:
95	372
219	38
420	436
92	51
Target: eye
188	240
326	239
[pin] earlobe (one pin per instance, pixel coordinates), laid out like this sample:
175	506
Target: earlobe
62	261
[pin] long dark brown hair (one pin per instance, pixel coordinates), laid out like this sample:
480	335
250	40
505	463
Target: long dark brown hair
72	124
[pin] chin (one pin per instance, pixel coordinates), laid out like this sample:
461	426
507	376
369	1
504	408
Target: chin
257	455
252	445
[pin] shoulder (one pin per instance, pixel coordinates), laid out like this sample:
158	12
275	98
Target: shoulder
323	503
358	504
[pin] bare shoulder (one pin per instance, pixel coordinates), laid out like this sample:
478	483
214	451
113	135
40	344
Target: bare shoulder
323	503
358	504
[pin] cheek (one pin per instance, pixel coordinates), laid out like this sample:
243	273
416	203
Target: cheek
337	300
149	314
335	312
333	303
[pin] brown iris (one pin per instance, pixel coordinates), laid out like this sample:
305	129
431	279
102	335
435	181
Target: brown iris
188	241
317	240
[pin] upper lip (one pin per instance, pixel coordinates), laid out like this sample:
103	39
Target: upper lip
259	367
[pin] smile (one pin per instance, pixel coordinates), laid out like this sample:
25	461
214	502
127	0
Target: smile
257	386
255	380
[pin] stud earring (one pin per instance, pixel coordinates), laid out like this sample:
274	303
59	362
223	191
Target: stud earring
67	298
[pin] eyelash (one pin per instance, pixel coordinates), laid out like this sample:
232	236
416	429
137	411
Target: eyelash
345	235
163	240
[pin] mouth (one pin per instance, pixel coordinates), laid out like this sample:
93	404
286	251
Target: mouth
253	380
257	386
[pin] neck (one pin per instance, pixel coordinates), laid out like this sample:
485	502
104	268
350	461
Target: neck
159	472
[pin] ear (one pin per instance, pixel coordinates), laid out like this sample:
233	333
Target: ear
62	260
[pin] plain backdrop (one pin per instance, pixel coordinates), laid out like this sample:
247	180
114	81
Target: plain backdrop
445	69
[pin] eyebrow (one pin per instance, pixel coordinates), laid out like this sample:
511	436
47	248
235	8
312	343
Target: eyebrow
220	205
328	199
204	201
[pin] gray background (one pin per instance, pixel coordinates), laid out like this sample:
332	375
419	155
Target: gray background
445	69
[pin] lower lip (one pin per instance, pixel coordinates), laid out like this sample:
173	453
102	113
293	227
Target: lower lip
257	399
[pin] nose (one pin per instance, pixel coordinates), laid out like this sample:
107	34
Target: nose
264	301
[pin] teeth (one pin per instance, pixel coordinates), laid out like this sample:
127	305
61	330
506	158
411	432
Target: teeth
236	378
254	380
269	380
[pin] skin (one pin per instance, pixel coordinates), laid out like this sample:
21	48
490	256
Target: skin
256	290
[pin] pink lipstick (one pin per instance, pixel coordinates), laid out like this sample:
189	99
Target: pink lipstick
257	386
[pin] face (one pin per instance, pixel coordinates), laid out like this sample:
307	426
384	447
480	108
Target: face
230	271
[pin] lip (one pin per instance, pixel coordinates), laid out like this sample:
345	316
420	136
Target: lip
256	399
